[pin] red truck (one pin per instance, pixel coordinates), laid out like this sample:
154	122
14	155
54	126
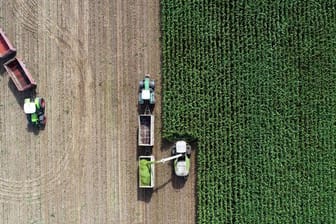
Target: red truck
7	51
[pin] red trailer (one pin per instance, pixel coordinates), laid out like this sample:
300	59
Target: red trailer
7	51
20	75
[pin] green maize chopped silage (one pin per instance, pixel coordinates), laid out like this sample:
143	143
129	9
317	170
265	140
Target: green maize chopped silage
145	177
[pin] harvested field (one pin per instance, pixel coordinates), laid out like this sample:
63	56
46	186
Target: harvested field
87	58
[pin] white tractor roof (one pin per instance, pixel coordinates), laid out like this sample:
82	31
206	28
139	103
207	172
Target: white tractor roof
29	108
181	169
181	146
145	94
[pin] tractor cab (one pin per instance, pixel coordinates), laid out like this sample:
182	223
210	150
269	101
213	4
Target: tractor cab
29	107
34	109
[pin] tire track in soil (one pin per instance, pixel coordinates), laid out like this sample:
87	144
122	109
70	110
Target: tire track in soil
31	189
18	190
26	13
119	50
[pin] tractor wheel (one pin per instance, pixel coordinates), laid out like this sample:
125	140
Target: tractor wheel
173	151
29	118
188	150
152	101
141	84
44	121
42	103
140	100
152	84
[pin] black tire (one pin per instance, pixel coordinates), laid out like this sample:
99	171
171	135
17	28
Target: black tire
188	150
152	84
42	103
173	151
44	121
153	101
140	101
141	84
28	118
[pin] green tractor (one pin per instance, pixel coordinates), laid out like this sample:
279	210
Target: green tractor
146	91
34	109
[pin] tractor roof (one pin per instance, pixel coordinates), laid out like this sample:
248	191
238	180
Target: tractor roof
181	146
29	107
145	94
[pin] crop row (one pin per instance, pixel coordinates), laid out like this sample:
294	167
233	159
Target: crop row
254	83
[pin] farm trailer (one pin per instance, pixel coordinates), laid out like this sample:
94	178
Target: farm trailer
20	75
146	171
15	67
146	130
7	51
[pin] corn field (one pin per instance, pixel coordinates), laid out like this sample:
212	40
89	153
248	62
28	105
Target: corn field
255	83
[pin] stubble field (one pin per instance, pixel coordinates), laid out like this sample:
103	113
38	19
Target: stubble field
87	58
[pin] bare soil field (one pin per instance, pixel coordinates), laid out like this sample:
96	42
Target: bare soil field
87	58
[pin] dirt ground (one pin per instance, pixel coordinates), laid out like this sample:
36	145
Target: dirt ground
87	58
